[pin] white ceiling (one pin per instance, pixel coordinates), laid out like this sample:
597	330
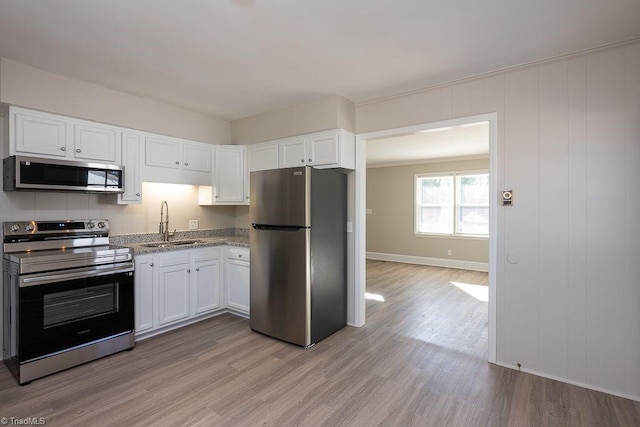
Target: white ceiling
447	143
238	58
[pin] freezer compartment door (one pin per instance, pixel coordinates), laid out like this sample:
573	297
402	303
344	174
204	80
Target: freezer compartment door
280	197
280	283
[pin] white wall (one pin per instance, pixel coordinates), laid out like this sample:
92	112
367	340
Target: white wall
329	112
568	264
390	225
33	88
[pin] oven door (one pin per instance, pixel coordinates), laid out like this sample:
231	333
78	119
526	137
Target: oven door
61	310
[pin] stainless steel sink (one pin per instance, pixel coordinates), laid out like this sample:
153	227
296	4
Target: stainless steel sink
170	244
157	245
184	242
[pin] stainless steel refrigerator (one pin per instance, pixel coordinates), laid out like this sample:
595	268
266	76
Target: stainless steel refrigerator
298	246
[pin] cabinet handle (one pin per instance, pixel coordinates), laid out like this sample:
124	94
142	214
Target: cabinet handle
78	150
310	160
302	160
63	148
138	194
177	163
197	268
186	164
239	255
150	264
189	271
217	196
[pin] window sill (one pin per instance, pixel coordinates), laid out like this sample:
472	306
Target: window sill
452	236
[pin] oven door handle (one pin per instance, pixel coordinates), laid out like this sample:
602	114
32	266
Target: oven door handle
80	273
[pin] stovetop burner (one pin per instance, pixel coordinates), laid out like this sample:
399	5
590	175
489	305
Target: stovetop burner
38	246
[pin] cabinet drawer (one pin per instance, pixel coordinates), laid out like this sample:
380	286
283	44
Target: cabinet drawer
206	254
239	253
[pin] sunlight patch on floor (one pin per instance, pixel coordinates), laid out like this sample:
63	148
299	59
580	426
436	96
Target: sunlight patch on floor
374	297
479	292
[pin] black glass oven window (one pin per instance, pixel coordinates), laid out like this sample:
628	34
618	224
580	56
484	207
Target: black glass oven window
79	304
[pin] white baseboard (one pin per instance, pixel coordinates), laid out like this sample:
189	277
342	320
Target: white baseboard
566	381
436	262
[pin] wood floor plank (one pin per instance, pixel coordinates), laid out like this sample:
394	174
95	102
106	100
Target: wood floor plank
420	360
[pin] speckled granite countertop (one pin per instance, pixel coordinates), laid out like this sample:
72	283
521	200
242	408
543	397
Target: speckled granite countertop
205	238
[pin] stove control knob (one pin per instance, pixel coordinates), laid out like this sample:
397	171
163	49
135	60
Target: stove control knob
91	225
14	228
101	224
28	227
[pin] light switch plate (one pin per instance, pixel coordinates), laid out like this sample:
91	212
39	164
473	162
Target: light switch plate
193	224
349	227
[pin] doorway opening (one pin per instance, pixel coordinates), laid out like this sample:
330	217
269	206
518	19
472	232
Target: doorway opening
452	152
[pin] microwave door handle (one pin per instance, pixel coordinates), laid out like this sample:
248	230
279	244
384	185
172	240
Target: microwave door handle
81	273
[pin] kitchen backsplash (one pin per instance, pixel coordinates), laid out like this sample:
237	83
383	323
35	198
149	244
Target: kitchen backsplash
124	219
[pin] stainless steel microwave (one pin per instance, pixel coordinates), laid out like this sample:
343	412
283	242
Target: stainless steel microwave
38	174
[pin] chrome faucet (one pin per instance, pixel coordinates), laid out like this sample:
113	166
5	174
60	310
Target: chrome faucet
164	224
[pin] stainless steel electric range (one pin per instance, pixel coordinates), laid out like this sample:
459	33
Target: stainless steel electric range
68	296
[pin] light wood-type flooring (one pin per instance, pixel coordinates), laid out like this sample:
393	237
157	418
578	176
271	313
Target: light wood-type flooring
420	360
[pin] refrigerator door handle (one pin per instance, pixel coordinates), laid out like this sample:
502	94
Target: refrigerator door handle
278	227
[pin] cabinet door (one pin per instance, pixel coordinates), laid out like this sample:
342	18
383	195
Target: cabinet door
131	162
205	276
228	175
40	135
323	149
162	153
262	157
94	143
173	293
238	285
292	153
144	293
196	157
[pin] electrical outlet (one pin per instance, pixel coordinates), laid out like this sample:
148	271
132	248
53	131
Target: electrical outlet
193	224
449	252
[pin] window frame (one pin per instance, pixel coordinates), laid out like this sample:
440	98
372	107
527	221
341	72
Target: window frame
456	204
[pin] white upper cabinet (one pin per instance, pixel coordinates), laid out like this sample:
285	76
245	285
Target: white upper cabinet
94	142
162	153
262	156
131	160
329	149
229	177
293	152
33	133
324	149
196	157
37	134
176	161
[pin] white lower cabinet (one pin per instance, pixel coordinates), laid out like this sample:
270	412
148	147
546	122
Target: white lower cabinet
205	281
173	287
144	295
177	286
237	279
